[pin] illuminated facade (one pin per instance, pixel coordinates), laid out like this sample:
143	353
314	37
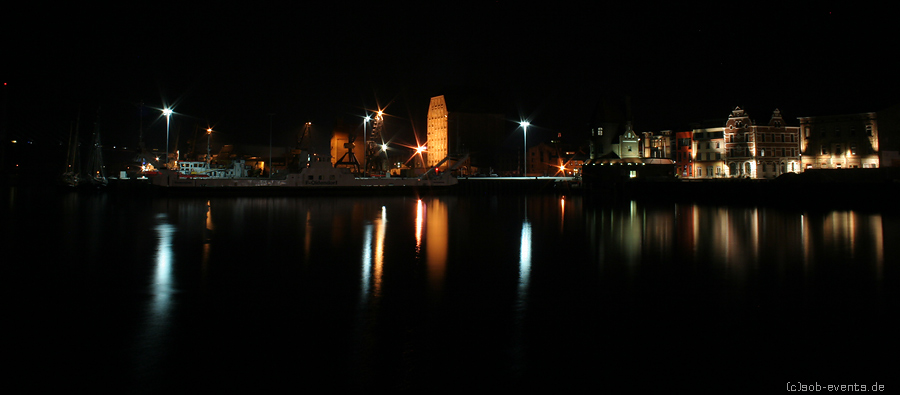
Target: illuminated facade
708	147
656	145
840	141
472	128
628	145
437	132
760	151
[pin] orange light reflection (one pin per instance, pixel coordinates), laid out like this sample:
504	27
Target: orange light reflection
436	242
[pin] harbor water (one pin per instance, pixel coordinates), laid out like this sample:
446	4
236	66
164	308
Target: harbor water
130	294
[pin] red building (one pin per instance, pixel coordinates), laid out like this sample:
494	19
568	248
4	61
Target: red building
683	154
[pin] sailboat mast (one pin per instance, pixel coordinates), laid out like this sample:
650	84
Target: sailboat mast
73	165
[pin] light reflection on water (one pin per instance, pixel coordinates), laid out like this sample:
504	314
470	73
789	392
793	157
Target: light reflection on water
667	249
162	281
524	267
437	235
154	334
420	288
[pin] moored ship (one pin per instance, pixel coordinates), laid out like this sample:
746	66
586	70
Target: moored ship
321	176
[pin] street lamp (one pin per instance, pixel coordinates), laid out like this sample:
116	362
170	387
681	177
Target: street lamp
366	131
168	113
524	125
208	137
419	150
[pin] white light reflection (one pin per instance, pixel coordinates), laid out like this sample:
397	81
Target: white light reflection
162	279
518	337
366	264
156	319
373	257
524	266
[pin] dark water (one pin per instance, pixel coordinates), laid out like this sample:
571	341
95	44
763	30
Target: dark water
126	294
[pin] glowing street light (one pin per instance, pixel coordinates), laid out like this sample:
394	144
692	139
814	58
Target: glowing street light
208	137
167	112
524	125
366	129
419	150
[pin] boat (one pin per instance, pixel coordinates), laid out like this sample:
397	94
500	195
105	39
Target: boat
96	169
316	176
71	175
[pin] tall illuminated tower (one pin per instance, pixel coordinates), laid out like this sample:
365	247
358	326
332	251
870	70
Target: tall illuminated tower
438	140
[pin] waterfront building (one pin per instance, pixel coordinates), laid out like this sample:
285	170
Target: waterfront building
438	138
464	127
684	154
611	119
840	141
708	148
889	136
623	160
554	159
542	160
628	144
657	145
760	151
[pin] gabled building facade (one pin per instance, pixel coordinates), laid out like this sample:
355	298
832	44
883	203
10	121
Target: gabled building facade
760	151
628	144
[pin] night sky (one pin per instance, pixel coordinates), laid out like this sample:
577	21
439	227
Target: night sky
229	67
